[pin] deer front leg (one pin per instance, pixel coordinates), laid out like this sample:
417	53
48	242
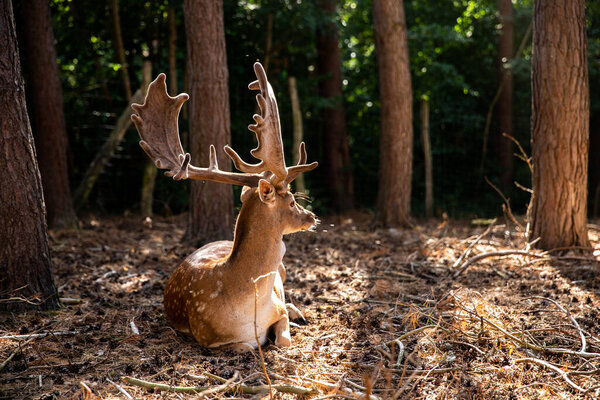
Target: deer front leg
281	329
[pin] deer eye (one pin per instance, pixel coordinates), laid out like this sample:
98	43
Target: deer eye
292	203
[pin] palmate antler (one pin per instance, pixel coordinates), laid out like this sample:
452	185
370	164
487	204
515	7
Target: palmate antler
156	122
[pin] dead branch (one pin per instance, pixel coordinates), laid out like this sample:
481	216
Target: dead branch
499	253
473	243
573	320
236	388
523	342
120	389
563	374
39	335
14	352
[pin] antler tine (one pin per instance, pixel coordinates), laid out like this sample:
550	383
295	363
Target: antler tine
301	167
156	122
268	133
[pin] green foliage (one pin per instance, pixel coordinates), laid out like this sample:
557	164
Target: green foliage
453	48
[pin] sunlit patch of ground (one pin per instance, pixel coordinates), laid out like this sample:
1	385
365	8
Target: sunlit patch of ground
387	318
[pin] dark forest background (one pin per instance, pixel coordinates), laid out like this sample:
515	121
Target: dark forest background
453	49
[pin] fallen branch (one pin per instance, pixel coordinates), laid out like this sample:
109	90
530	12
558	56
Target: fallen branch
477	239
243	389
563	374
39	335
120	389
573	320
524	343
499	253
15	351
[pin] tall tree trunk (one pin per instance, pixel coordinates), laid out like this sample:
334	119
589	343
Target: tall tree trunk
172	51
120	48
504	146
48	122
560	125
25	277
336	153
427	157
211	203
150	170
298	130
396	141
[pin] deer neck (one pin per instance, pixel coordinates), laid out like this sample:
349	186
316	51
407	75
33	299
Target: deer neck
258	246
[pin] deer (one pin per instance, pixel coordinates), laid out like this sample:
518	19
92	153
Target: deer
230	293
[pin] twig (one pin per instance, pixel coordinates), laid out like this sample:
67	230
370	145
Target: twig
524	343
15	351
563	374
499	253
407	334
38	335
120	389
473	243
573	320
244	389
506	206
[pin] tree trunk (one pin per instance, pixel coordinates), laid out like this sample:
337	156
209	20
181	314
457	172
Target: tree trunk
25	277
504	146
211	203
336	153
172	52
560	125
396	141
150	170
298	130
426	144
48	121
120	48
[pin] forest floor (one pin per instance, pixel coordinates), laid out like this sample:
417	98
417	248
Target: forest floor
390	316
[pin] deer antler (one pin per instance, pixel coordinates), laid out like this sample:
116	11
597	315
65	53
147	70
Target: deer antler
156	122
268	134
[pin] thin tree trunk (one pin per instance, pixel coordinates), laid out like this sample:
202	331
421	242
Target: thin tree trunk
25	264
120	48
298	130
48	121
172	51
336	157
109	148
211	203
425	142
396	141
560	126
150	170
504	112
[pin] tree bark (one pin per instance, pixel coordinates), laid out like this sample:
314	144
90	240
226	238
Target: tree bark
396	141
120	48
211	203
336	152
560	125
298	130
48	121
504	115
427	157
172	51
150	170
25	277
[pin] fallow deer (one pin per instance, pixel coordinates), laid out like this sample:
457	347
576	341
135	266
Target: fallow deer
224	290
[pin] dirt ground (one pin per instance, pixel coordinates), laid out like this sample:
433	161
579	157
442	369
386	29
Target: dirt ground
390	316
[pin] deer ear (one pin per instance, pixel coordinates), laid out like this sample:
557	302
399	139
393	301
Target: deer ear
266	191
246	193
